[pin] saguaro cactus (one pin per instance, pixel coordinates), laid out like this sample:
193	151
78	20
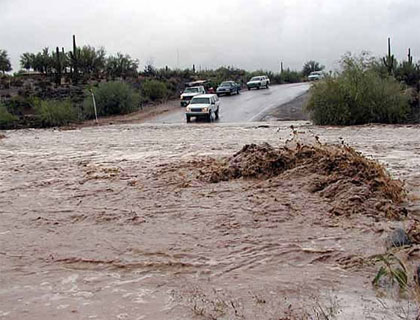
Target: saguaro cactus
75	57
389	60
410	57
58	66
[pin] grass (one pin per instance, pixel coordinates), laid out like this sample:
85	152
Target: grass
7	120
56	113
112	98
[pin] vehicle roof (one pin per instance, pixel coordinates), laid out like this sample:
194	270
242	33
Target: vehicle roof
207	95
197	83
194	87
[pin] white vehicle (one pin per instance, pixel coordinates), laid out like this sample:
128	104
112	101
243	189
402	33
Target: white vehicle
315	75
203	106
258	82
189	93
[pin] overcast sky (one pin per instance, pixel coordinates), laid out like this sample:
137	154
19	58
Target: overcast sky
250	34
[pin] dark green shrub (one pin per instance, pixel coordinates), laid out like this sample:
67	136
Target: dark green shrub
111	98
154	90
290	76
7	120
358	95
53	113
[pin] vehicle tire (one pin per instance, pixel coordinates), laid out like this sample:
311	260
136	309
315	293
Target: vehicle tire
249	88
258	88
216	114
266	85
188	119
209	117
237	91
218	94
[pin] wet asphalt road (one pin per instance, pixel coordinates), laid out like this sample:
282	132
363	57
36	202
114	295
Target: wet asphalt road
247	106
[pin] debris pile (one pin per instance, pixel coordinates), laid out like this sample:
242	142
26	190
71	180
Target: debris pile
340	174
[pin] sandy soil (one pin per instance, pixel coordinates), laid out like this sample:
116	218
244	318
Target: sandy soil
148	111
113	222
291	111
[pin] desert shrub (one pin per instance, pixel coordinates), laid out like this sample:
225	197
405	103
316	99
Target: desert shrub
111	98
7	120
56	113
154	90
291	76
357	95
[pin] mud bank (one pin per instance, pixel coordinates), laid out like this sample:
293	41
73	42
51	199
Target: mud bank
113	222
291	111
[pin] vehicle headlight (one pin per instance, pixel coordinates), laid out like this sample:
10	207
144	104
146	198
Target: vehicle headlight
205	109
188	109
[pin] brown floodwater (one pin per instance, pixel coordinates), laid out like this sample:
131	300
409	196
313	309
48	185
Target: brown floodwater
104	223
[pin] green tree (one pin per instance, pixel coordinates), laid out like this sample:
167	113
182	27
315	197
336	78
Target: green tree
27	60
91	60
311	66
5	65
121	66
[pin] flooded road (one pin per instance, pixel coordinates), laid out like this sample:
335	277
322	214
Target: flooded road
246	106
101	223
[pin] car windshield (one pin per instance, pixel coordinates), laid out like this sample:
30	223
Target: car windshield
200	101
315	73
255	79
226	84
190	90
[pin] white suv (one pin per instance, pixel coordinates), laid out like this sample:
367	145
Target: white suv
203	106
189	93
315	75
258	82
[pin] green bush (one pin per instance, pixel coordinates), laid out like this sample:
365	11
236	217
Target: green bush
111	98
357	95
53	113
7	120
154	90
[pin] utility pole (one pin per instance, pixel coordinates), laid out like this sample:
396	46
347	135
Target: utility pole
177	58
94	106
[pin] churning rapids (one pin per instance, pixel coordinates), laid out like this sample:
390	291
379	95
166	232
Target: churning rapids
124	222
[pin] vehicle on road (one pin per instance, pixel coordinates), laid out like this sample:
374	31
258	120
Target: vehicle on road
228	87
189	93
315	75
203	106
258	82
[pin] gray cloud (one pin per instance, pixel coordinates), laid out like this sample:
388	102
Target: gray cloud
248	34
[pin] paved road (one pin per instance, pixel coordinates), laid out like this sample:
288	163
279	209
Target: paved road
245	107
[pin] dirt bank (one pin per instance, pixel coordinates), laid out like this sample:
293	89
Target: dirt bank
113	222
291	111
147	112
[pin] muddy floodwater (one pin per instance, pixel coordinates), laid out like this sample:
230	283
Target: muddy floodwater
103	223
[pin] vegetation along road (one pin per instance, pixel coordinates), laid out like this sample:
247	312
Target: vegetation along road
247	106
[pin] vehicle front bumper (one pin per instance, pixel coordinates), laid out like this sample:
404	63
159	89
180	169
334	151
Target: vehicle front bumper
221	91
254	85
197	114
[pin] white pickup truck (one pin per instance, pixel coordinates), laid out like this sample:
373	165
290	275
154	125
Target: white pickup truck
258	82
203	106
189	93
